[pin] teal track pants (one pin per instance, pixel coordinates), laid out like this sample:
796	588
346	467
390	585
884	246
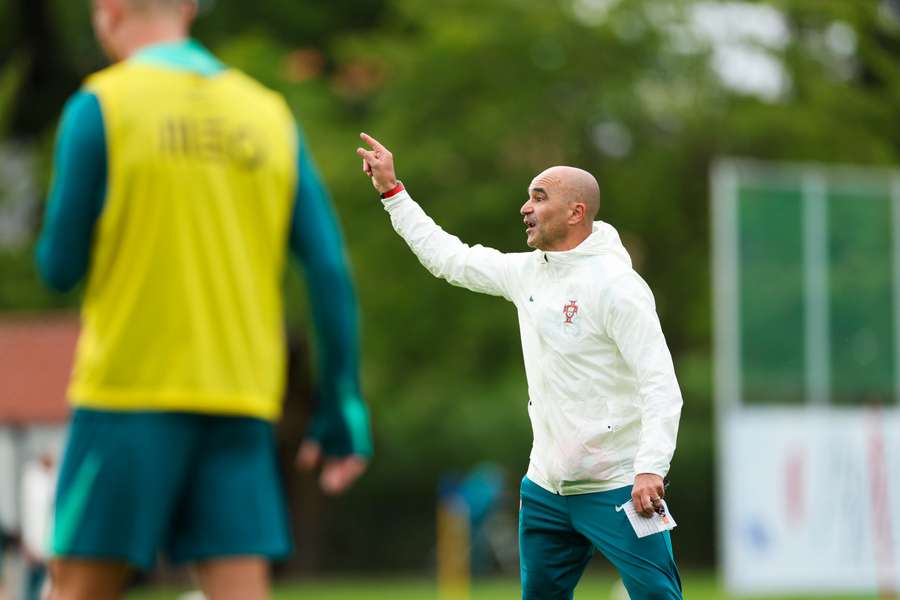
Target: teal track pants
558	536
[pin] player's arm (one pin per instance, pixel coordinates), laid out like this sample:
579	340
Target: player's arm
475	268
340	424
632	322
76	194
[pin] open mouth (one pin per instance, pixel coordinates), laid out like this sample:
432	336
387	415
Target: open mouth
529	226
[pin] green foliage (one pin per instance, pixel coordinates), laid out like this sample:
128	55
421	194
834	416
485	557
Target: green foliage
288	21
22	291
11	75
474	98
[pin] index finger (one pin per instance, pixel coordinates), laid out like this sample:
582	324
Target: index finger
371	141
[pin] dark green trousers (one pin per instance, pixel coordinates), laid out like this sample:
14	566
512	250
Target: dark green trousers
558	536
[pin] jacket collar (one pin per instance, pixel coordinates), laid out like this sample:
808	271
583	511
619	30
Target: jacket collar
603	240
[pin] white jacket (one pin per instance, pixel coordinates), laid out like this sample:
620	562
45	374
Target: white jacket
604	402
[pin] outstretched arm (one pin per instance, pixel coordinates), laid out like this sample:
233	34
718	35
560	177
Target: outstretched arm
475	268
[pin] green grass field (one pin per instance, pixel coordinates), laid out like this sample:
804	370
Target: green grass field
593	586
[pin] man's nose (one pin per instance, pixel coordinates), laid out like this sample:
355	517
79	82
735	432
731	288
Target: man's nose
526	208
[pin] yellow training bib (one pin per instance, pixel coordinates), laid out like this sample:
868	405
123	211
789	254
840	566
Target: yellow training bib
183	309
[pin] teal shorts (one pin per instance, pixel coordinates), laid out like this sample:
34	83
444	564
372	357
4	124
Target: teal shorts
194	487
558	536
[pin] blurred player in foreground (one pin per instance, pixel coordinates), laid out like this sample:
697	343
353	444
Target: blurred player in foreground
603	398
179	185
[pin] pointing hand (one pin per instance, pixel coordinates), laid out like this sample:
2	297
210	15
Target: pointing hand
378	163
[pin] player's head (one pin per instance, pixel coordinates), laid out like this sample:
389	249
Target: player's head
561	207
122	26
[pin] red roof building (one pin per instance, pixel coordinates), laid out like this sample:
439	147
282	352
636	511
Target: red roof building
35	362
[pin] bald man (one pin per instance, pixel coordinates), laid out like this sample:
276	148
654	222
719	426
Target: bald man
180	187
603	399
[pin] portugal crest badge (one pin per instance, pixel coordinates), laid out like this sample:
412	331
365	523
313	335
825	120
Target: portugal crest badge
570	310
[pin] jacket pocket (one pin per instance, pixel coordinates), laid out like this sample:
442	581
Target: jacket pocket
601	459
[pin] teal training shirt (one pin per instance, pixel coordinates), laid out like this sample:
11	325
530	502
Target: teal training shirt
76	202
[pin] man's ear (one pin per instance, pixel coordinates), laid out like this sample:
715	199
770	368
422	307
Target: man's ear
189	11
110	13
579	210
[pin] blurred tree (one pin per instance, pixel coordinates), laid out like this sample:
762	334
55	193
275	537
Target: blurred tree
474	99
49	78
55	39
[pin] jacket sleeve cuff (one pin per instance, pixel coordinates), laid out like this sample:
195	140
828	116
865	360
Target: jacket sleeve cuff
395	200
662	471
399	187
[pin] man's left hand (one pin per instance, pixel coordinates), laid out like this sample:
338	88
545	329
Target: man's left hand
338	473
647	493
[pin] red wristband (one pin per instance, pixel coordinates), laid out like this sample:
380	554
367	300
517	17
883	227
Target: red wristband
393	191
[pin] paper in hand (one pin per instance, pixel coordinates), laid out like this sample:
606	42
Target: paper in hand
644	526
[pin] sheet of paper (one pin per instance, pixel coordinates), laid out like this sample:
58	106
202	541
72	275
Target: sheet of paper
644	526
